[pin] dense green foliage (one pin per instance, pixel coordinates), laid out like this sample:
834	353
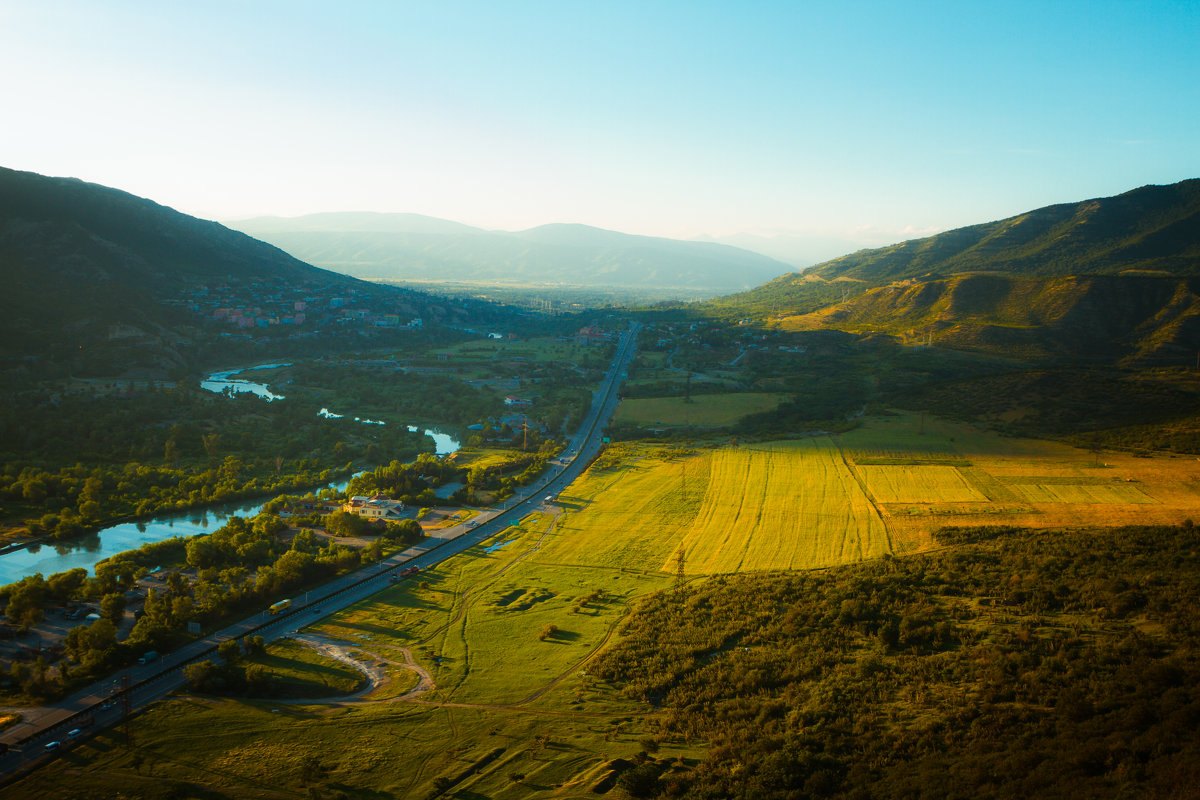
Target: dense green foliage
72	462
414	483
401	395
1090	408
1013	664
210	579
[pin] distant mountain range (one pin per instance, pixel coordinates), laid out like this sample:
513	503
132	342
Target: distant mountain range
412	247
99	280
1106	279
799	250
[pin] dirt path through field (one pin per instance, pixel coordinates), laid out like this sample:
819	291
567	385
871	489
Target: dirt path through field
376	674
373	664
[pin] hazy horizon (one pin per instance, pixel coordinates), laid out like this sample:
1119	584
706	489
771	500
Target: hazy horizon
822	124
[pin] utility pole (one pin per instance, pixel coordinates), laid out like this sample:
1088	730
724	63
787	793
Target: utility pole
126	709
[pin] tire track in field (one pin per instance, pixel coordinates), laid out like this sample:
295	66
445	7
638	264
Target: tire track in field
340	650
891	545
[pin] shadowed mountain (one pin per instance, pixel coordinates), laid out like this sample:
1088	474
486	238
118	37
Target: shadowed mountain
418	248
97	279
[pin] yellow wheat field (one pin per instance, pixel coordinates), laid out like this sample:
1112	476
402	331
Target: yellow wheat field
786	505
1111	494
810	503
919	484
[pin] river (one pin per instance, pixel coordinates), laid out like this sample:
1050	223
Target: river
224	381
88	550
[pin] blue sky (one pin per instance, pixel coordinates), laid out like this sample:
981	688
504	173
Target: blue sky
865	122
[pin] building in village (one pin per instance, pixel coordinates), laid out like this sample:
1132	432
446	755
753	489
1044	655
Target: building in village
377	507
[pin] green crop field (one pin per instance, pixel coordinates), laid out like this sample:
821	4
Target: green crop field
921	483
542	349
704	410
629	516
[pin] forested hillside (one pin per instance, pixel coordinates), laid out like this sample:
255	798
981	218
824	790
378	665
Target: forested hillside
100	282
1014	663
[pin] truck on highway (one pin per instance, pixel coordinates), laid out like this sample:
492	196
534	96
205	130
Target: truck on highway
148	656
282	605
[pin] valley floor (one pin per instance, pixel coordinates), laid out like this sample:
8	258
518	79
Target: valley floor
481	671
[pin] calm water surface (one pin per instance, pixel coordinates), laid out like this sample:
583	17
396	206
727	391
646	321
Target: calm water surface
87	551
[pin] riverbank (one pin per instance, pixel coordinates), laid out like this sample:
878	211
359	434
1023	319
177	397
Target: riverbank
20	560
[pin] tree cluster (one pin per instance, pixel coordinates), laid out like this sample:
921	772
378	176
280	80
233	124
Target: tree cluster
1014	664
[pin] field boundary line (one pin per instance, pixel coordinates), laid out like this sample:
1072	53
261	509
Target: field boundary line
866	493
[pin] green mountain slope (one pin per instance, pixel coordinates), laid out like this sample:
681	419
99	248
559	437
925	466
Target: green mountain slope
1109	280
1154	228
413	247
1143	319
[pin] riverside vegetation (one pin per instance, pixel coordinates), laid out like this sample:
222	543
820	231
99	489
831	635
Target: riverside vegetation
236	570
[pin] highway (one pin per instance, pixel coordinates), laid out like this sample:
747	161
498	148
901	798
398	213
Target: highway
104	703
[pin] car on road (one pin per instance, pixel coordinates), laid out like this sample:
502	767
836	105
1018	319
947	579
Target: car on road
473	524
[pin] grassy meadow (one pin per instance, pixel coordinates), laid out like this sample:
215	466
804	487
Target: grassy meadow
509	700
298	671
700	410
537	349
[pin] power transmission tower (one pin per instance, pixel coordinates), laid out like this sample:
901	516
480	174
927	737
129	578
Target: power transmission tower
680	567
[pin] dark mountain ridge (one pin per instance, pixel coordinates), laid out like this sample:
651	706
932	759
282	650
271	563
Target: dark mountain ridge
99	281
